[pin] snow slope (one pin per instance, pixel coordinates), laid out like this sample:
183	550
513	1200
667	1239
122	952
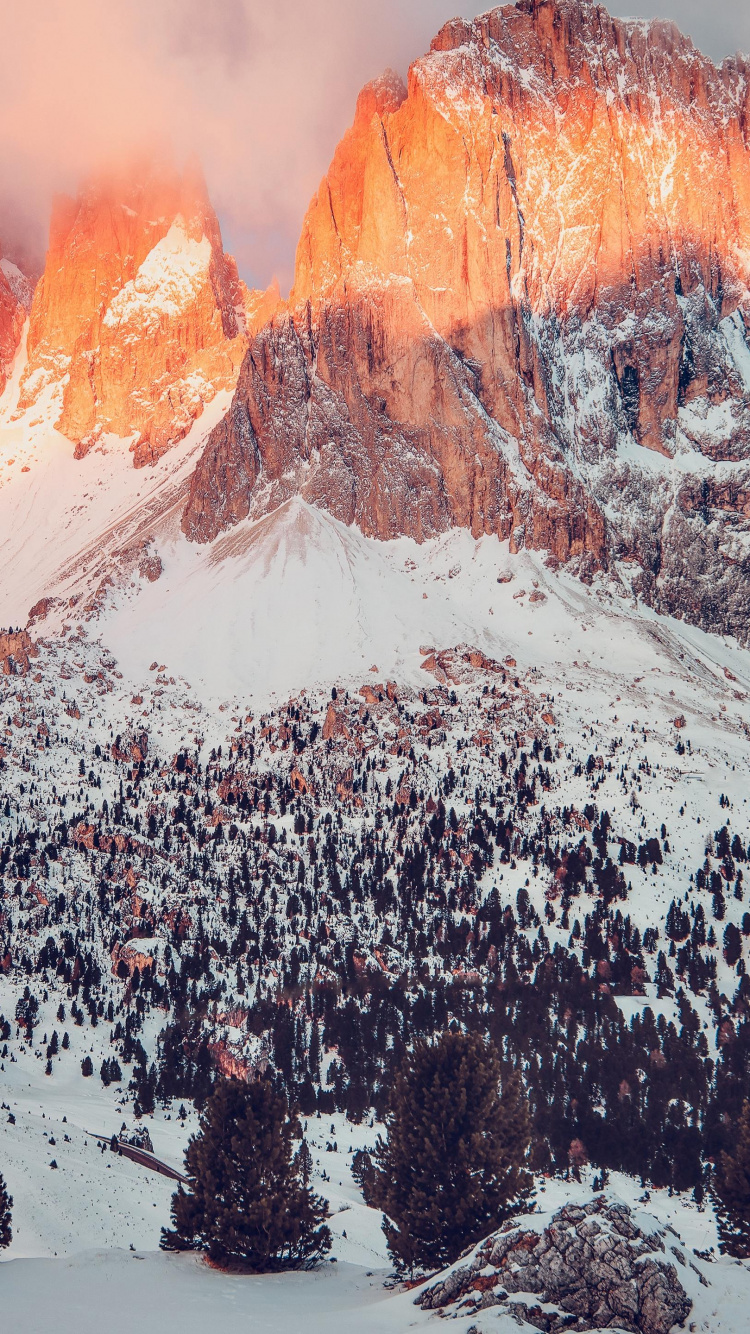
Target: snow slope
86	1234
291	602
295	599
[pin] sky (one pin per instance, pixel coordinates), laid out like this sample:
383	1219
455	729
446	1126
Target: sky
262	90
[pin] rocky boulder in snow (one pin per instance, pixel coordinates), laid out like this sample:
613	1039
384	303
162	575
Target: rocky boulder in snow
16	647
594	1266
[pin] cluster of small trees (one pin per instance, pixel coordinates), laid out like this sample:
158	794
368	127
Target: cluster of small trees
732	1191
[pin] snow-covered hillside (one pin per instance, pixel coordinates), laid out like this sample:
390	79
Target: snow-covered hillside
171	688
86	1232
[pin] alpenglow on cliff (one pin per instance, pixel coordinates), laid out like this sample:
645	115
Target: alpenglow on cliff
520	306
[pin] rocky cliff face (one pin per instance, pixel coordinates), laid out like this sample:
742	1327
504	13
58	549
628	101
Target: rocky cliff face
592	1267
520	305
15	301
138	319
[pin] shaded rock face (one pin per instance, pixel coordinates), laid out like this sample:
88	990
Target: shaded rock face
520	305
15	301
376	421
138	318
593	1268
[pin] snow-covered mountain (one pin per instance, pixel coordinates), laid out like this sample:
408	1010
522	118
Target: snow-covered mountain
138	319
520	307
405	678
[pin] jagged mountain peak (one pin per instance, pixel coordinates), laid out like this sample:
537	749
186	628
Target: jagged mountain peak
515	286
138	319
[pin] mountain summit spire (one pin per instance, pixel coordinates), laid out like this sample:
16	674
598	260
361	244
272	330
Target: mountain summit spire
137	320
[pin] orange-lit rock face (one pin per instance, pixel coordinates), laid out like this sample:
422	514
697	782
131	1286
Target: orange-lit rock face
139	307
518	270
551	162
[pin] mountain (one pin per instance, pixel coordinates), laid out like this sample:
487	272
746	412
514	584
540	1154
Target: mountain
383	696
520	306
15	300
138	319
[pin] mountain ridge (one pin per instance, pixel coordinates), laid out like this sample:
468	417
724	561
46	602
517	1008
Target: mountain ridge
510	364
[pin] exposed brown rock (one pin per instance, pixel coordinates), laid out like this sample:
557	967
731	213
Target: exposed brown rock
509	279
16	648
334	725
130	957
41	610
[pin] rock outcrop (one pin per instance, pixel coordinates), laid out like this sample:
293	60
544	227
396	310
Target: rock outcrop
15	302
16	648
138	319
520	306
593	1267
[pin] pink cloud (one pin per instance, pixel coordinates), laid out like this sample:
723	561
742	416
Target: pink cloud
261	89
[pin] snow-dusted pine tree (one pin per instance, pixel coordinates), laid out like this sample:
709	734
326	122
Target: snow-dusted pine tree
451	1167
247	1206
732	1190
6	1204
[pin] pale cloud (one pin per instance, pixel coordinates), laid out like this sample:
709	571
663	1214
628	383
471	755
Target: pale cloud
261	89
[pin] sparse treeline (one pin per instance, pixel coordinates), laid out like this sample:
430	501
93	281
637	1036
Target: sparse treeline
349	880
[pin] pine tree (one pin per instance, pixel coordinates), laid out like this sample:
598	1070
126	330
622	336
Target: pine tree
247	1207
364	1173
304	1162
451	1167
732	1189
6	1204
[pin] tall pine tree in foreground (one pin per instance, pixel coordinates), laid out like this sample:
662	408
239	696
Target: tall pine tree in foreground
451	1167
247	1206
6	1204
732	1190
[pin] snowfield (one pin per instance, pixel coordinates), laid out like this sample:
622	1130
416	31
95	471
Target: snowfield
86	1234
289	605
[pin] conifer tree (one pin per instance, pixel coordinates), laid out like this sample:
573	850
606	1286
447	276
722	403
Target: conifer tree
247	1206
304	1162
451	1167
732	1190
6	1204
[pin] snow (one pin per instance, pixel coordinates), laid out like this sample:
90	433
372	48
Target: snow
19	284
166	284
171	1293
63	520
733	329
